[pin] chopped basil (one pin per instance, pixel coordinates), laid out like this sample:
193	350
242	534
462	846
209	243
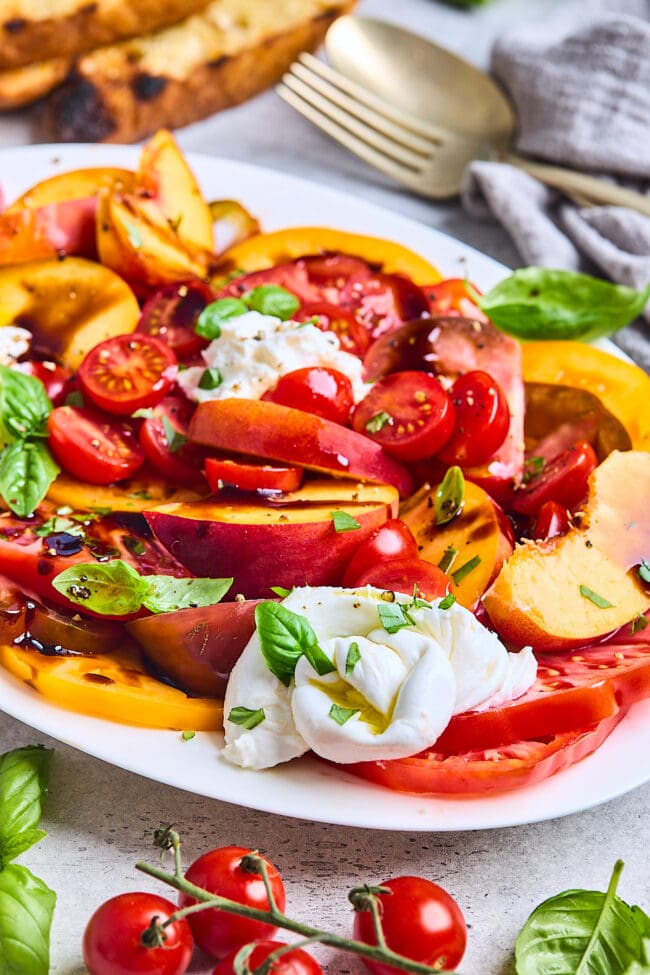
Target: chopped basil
378	422
465	569
533	468
353	658
594	598
343	522
644	570
134	235
638	623
208	324
450	496
174	438
210	378
281	591
448	558
394	617
74	398
187	735
269	299
447	602
57	524
145	413
246	717
342	715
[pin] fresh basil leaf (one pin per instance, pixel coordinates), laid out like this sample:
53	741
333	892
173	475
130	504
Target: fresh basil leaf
210	378
393	617
319	660
208	324
112	588
284	637
24	776
539	303
26	910
281	591
639	623
447	601
378	422
644	570
188	735
450	496
269	299
582	931
24	406
247	717
163	594
26	471
343	522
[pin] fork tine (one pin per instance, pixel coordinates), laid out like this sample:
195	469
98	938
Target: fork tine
364	112
356	145
409	161
404	120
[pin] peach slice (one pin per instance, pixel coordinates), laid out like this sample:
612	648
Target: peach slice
145	490
69	305
288	542
281	433
481	531
74	184
554	594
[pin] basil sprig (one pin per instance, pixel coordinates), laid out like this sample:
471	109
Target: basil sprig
26	466
116	589
26	902
540	303
284	638
585	932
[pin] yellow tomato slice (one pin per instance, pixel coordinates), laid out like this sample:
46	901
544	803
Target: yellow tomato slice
621	386
114	686
266	250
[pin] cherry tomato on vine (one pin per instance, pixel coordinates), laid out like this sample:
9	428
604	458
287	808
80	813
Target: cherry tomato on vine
420	921
565	480
408	413
172	312
93	446
163	439
128	372
392	540
482	420
316	389
295	962
220	872
112	940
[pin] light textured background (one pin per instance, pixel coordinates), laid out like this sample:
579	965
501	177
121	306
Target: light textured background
100	819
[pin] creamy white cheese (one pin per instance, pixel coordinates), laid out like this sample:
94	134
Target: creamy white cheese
390	695
254	351
14	342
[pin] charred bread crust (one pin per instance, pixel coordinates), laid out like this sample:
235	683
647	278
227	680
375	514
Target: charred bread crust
22	86
70	27
112	98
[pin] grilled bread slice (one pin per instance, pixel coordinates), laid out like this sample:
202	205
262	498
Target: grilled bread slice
218	58
21	86
35	30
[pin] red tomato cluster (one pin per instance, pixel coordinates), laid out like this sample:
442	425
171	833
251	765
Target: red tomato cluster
136	933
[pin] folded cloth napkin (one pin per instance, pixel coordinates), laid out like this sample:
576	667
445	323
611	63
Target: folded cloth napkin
580	83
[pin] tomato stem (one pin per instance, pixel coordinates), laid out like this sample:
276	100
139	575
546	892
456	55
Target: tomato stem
379	952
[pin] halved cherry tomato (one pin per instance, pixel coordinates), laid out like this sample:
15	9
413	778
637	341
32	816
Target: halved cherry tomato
251	476
409	576
564	480
482	420
452	297
316	389
332	318
383	302
181	462
294	962
172	312
94	447
54	377
128	372
408	413
487	770
392	540
552	520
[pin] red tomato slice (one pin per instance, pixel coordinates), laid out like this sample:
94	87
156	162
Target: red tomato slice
482	420
409	576
488	770
54	377
564	480
392	540
128	372
177	460
332	318
408	413
452	297
251	476
171	314
316	389
552	520
94	447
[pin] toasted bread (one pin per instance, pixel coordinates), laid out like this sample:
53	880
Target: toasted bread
35	30
22	86
218	58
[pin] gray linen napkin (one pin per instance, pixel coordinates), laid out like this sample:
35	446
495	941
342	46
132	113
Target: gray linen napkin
580	82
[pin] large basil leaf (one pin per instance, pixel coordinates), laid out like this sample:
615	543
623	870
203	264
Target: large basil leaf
24	776
284	637
26	471
26	909
24	406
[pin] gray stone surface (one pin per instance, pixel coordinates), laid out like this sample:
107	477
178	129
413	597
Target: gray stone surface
100	819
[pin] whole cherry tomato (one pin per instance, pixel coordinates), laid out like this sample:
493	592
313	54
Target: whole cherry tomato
315	389
172	312
482	420
220	872
294	962
112	942
564	479
93	446
392	540
408	413
128	372
420	921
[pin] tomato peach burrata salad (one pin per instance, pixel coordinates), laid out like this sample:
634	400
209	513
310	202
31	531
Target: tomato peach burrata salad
301	488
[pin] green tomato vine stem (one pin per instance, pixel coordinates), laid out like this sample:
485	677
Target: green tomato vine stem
362	898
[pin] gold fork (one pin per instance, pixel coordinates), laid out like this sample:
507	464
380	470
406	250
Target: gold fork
428	159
